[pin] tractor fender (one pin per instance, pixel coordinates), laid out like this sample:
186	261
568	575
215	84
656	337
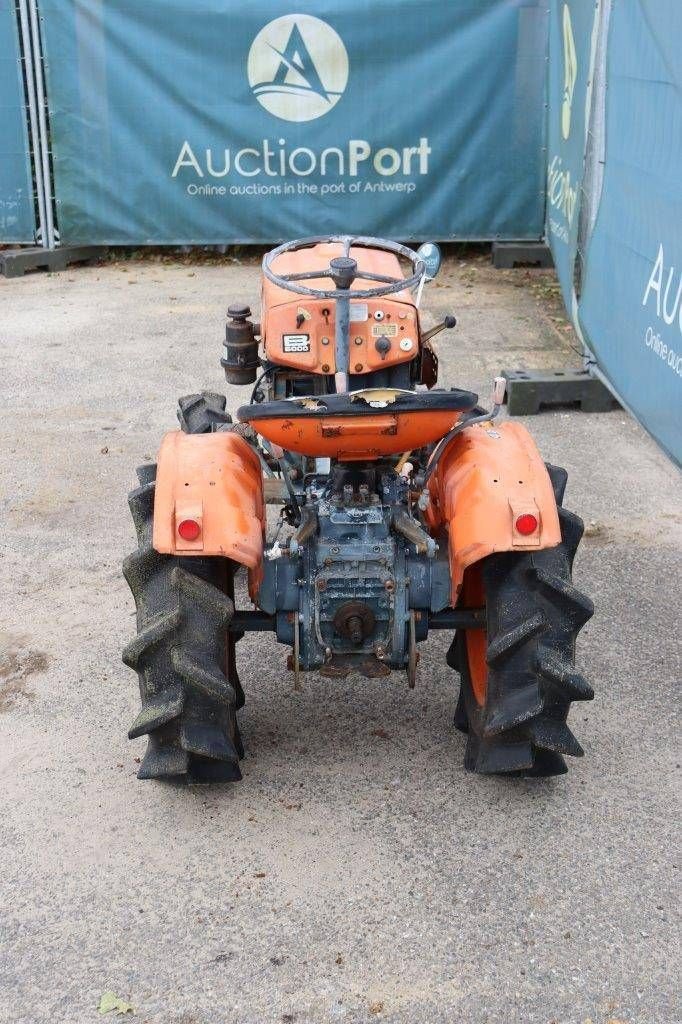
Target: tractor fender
216	480
486	478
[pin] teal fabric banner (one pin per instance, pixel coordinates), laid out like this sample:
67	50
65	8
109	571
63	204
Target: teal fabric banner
631	305
223	121
571	27
17	217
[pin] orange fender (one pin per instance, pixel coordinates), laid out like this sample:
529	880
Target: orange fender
486	478
216	480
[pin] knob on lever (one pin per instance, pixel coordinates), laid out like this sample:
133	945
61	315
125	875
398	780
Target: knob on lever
383	346
342	271
446	324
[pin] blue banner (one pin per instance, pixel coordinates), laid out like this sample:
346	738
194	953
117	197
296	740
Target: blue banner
226	121
17	218
571	27
631	305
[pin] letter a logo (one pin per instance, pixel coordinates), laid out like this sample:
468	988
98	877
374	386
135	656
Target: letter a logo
298	67
570	73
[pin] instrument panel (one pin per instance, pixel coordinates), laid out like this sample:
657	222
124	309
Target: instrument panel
300	334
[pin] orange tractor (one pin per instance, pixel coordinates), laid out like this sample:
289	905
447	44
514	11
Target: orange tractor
405	508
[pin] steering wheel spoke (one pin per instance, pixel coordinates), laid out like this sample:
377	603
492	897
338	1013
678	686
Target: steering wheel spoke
306	275
366	276
347	243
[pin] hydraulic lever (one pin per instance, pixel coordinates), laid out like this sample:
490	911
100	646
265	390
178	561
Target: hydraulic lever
447	324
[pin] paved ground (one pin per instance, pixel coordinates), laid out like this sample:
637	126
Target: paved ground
356	874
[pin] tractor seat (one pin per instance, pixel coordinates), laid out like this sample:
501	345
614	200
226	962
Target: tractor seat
360	425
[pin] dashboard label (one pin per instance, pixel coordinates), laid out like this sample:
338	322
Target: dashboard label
384	330
296	342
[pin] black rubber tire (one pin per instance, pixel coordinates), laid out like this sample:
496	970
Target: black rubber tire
534	614
202	413
180	654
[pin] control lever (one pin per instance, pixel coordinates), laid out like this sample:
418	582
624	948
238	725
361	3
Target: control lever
383	346
447	324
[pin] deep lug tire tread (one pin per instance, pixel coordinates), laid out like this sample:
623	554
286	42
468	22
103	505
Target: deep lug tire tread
535	615
202	413
188	702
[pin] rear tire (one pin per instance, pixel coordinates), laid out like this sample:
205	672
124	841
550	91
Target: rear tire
518	722
188	682
202	413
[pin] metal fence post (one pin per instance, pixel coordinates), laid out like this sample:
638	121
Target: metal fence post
27	47
46	253
42	121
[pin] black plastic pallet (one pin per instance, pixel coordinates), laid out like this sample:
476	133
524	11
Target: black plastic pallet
528	391
507	255
15	262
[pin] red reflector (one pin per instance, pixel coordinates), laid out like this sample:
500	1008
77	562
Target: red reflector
189	529
526	524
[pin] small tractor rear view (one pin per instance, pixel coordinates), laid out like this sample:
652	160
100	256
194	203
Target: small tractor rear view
407	508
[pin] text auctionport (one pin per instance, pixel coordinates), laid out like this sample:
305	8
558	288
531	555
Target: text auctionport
276	160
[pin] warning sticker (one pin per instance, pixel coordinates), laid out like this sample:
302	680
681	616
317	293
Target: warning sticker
359	312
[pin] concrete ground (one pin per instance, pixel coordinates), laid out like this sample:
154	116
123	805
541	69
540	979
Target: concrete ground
357	874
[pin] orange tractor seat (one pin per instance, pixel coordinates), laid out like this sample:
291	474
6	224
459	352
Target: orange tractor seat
359	425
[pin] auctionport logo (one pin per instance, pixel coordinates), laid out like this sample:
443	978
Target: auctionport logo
298	67
298	71
562	193
570	73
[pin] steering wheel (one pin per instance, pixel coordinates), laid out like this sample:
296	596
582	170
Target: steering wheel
343	270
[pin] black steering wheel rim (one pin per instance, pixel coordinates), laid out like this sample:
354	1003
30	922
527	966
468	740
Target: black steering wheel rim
387	285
